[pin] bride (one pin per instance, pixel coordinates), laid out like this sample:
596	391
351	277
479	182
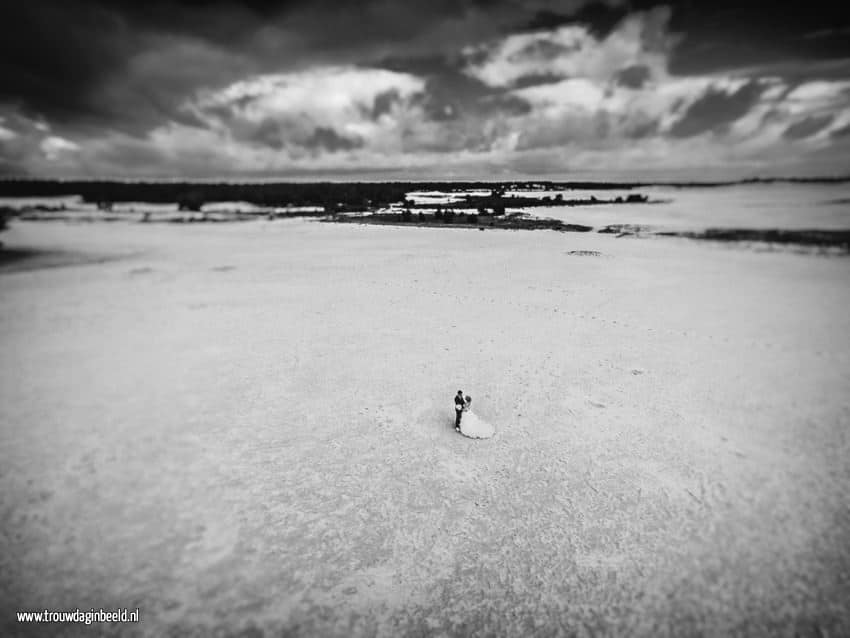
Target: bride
471	425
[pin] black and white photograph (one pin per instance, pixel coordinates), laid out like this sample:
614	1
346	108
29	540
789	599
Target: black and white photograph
413	318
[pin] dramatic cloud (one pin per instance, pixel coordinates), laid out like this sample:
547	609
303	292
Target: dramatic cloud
634	77
573	51
6	134
54	147
717	108
226	88
808	127
327	109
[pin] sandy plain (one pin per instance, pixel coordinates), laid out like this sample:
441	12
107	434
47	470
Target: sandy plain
246	429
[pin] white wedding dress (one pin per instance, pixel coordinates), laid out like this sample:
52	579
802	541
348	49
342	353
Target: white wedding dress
474	427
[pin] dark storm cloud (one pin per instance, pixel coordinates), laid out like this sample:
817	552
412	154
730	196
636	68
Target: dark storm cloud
455	96
451	94
807	127
53	55
267	133
715	109
729	34
633	77
536	79
384	102
327	139
599	17
278	133
116	64
841	132
643	129
545	50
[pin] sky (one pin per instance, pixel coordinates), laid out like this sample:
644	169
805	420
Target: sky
424	89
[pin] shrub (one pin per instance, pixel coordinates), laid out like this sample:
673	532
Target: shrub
190	201
405	216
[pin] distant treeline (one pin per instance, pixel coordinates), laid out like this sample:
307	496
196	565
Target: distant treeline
331	195
192	195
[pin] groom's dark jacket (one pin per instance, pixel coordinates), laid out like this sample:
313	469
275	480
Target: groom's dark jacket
458	404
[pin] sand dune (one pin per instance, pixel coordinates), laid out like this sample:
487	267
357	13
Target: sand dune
250	426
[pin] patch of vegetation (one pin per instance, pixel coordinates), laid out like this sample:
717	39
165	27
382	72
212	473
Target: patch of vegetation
5	215
822	238
511	222
191	201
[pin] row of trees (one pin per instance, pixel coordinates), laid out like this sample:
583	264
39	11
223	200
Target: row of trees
329	195
193	195
447	217
5	215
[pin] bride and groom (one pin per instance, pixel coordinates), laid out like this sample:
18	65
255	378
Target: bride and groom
467	422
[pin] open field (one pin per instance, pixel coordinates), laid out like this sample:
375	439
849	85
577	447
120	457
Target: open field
247	429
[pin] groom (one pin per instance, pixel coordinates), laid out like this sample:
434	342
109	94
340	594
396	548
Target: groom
459	404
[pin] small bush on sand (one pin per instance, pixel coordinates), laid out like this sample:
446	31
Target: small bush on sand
5	216
191	201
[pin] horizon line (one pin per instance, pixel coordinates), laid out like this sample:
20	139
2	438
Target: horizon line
306	180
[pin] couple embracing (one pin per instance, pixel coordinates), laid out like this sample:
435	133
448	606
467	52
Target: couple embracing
467	422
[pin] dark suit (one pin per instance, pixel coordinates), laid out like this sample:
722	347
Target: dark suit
458	413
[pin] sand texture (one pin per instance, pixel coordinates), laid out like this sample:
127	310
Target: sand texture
246	429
